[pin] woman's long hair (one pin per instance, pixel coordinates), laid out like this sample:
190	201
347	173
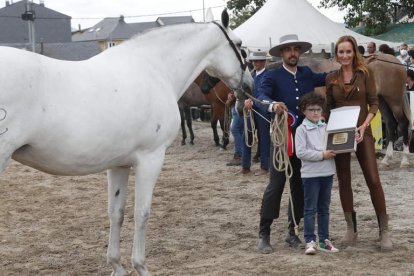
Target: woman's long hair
358	62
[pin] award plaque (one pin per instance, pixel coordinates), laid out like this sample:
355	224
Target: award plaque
343	141
341	129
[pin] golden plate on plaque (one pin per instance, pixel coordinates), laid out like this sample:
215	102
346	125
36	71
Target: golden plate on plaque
340	138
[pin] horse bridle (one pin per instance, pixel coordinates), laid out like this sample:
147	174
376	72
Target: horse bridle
243	65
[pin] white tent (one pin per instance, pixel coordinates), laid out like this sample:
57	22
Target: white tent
280	17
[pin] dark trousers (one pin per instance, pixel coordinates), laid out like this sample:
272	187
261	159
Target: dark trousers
273	194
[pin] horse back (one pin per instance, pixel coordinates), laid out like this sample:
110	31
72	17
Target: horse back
390	76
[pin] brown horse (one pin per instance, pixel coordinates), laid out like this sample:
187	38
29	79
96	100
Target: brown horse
390	78
216	92
191	97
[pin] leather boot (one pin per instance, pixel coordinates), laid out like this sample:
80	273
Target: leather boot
236	161
264	246
351	233
291	238
385	241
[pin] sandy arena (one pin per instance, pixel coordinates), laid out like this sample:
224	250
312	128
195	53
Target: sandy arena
204	221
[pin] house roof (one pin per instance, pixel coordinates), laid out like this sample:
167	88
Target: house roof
42	12
73	51
50	25
117	29
172	20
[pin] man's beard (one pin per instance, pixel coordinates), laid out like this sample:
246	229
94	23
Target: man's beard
292	61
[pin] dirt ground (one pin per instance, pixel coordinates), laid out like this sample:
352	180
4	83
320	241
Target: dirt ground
204	221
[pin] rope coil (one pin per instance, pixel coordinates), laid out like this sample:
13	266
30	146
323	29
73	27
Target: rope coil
279	137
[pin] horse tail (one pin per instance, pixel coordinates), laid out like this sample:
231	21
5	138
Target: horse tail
406	108
407	113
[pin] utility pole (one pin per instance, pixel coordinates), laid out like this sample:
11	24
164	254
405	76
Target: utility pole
30	16
204	14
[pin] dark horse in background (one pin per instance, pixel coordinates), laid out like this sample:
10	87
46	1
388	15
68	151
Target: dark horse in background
191	97
216	92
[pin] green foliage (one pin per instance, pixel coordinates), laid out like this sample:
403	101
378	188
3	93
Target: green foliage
242	10
376	14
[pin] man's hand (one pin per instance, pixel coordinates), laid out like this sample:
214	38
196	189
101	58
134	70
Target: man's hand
248	104
230	99
279	108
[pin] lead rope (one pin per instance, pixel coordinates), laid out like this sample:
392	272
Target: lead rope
281	161
227	117
248	115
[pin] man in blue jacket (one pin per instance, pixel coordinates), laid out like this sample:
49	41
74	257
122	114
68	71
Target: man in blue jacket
283	87
261	120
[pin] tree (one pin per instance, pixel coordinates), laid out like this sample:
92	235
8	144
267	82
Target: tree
376	14
242	10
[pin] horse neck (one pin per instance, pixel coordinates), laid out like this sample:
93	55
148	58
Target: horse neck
178	53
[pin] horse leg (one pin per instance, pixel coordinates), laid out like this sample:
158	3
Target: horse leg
403	126
147	170
117	192
187	114
215	134
225	132
183	131
391	129
404	161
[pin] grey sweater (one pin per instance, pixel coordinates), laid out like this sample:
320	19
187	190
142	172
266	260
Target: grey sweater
309	146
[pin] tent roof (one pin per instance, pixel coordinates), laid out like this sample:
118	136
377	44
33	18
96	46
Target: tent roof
280	17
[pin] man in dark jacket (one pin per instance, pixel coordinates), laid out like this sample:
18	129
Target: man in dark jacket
283	87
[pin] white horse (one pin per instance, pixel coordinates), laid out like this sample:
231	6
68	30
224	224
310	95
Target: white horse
114	111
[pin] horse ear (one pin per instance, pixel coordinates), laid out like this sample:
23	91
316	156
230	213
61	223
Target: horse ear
225	19
209	15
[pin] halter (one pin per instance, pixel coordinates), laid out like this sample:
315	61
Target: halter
243	65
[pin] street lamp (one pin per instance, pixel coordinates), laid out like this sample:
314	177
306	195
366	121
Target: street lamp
29	16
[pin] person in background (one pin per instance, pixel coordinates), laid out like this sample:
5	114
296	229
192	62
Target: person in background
410	66
410	87
261	120
385	49
361	49
354	85
410	80
404	58
236	128
282	87
318	169
371	48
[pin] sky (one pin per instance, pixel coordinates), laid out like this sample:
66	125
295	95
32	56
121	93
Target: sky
89	12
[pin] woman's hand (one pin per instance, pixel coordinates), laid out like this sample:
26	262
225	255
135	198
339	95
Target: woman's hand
359	135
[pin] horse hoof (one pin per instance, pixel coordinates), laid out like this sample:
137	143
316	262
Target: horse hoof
183	143
404	165
191	143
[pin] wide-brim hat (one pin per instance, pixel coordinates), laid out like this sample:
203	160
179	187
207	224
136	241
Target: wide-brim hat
257	55
287	41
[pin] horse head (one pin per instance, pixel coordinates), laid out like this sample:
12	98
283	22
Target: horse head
227	63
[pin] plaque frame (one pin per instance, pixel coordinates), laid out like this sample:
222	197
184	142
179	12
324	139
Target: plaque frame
341	129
